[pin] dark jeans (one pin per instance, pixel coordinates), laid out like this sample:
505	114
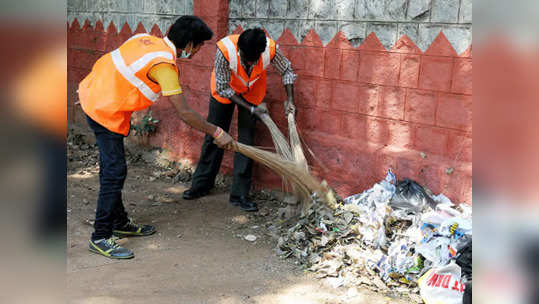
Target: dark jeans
110	212
211	156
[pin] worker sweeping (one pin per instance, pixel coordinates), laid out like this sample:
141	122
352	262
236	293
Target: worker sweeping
239	78
128	79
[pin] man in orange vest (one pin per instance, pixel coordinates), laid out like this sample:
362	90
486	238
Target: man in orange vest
239	78
128	79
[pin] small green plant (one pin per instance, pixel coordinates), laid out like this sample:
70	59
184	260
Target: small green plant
147	126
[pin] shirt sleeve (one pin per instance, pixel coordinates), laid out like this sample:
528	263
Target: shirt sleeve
167	77
222	76
284	67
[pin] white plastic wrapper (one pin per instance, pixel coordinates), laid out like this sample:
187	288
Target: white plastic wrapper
435	250
442	285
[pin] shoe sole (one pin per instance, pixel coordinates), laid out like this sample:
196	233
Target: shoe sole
111	257
119	234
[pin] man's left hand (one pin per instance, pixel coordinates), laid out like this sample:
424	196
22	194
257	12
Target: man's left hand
289	107
260	109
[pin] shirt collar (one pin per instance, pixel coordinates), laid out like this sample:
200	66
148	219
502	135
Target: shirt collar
171	45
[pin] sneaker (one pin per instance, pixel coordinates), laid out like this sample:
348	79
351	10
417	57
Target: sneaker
110	249
133	229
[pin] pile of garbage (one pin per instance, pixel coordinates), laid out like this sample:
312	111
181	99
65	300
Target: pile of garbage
386	238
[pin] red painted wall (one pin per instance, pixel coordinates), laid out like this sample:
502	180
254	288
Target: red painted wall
360	110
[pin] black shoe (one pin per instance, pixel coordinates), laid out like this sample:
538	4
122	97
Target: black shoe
191	194
110	249
244	204
133	229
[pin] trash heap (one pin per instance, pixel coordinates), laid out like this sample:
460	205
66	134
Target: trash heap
385	238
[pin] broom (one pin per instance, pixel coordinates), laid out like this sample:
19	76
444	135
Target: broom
293	153
297	154
280	142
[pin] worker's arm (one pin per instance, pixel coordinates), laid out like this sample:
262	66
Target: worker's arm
258	110
222	81
284	67
167	77
289	105
189	116
193	119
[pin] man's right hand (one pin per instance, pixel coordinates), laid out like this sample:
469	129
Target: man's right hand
224	140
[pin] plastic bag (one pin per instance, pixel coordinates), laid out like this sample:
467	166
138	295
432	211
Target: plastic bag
434	218
442	285
442	199
436	250
410	196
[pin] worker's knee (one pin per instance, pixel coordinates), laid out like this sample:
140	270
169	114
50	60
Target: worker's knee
115	173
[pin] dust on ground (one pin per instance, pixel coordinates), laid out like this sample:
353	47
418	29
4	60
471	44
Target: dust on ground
198	255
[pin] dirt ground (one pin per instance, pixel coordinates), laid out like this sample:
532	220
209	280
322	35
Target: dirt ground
198	255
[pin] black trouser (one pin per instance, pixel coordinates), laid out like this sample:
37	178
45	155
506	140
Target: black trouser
211	156
110	212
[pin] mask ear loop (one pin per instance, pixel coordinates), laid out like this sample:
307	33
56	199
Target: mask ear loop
185	52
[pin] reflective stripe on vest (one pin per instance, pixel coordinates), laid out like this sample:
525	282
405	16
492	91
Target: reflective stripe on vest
171	45
129	72
231	49
266	55
144	60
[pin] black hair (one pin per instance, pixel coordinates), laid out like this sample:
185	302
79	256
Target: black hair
189	29
252	43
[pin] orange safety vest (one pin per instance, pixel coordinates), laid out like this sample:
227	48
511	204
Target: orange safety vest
119	83
253	87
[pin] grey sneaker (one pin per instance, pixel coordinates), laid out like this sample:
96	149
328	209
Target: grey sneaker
110	249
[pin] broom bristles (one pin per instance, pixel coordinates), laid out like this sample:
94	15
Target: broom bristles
304	183
280	142
295	143
290	162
